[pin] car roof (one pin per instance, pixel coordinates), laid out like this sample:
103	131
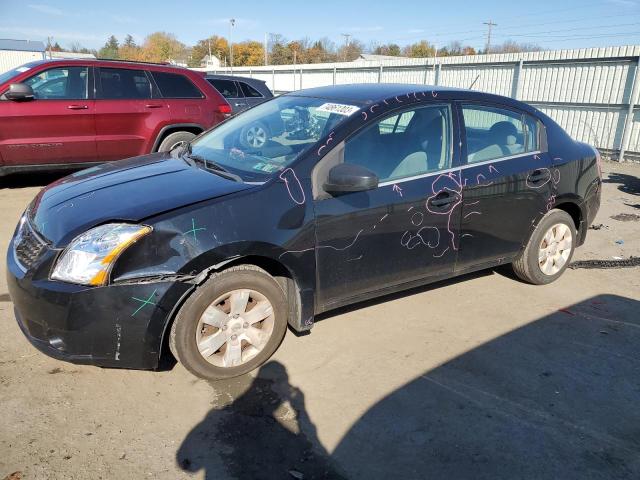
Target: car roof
370	92
233	77
104	62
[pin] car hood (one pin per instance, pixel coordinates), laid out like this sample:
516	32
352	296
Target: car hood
128	190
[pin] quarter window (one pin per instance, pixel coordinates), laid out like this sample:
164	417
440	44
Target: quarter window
496	132
227	88
62	83
174	85
249	91
124	84
412	143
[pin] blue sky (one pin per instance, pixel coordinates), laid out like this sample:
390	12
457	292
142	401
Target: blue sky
549	23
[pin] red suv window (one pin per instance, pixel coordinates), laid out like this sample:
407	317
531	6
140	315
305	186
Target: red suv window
173	85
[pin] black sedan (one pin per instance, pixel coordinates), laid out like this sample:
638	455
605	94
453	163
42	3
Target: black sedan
215	248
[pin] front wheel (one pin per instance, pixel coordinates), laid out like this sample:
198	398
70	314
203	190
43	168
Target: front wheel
549	249
173	140
231	325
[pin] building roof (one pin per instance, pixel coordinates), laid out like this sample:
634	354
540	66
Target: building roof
21	45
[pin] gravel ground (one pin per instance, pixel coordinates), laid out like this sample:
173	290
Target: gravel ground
478	377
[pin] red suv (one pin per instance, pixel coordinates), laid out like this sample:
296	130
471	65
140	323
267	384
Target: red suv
70	113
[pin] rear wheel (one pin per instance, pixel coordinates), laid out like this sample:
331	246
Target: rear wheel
231	325
255	135
549	250
174	139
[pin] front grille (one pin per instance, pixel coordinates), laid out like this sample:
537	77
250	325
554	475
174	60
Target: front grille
27	245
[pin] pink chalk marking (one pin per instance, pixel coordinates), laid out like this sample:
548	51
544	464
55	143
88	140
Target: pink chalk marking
442	254
283	176
398	100
365	116
434	94
396	188
472	213
491	167
372	107
320	149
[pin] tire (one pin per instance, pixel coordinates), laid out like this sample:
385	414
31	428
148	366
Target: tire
541	261
174	139
255	135
189	334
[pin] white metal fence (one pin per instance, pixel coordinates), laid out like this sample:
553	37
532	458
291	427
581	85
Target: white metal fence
592	93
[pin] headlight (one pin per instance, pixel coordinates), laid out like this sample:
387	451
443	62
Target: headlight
88	259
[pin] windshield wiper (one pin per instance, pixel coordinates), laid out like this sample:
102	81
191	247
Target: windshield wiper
211	165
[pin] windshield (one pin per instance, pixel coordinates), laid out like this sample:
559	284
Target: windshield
8	75
266	139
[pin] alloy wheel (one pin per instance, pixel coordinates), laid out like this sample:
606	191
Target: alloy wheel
555	249
256	136
235	328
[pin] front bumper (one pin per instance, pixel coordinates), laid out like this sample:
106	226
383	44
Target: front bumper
118	325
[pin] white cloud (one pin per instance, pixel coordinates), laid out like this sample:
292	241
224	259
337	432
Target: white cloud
49	10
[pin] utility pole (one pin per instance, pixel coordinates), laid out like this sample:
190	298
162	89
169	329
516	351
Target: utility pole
346	36
489	24
210	60
49	41
266	51
232	23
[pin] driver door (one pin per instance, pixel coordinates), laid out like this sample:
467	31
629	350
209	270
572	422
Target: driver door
403	231
57	126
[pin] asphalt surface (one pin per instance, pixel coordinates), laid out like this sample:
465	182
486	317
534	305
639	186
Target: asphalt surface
479	377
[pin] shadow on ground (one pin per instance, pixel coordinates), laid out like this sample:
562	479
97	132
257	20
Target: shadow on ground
33	179
557	398
627	183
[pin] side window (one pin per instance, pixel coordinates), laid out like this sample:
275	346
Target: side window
249	91
494	132
396	124
61	83
412	143
227	88
123	84
174	85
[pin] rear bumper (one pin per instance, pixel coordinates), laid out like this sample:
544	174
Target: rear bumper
105	326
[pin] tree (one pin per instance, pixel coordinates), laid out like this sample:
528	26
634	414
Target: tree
248	53
514	47
110	49
129	50
219	48
162	47
390	49
421	49
350	51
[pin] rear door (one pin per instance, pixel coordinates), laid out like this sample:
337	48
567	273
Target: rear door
405	229
508	182
57	127
129	113
185	100
231	92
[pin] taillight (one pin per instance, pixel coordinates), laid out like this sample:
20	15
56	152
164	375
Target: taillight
599	162
224	108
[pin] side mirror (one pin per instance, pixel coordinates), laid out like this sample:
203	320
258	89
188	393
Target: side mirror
19	91
347	177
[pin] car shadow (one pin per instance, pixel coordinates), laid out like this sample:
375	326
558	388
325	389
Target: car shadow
627	183
556	398
33	179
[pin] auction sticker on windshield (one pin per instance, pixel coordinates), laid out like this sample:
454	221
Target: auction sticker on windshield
339	108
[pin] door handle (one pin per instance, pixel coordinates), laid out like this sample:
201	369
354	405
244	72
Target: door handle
442	199
153	105
239	104
77	107
538	176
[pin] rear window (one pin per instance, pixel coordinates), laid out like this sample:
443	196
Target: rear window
227	88
249	91
173	85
